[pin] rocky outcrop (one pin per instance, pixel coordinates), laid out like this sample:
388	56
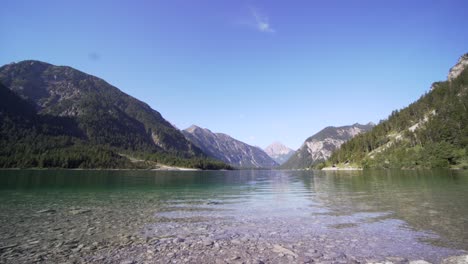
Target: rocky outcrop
456	260
227	149
458	68
320	146
279	152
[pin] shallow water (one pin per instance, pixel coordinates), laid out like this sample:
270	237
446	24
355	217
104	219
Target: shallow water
370	215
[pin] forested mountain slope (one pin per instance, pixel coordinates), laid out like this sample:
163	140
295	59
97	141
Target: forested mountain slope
56	116
431	132
227	149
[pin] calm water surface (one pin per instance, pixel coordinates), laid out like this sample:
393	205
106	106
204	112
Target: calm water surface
370	214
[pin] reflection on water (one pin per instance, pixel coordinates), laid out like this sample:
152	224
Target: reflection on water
434	201
394	212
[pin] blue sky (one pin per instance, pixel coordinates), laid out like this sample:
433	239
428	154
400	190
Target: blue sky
260	71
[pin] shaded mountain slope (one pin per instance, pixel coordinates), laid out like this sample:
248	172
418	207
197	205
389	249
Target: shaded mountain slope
106	114
227	149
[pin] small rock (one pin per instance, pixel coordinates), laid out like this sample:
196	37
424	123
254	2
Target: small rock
47	211
419	262
397	260
353	261
79	211
207	243
314	254
282	250
128	262
178	240
78	248
8	246
236	241
59	244
456	260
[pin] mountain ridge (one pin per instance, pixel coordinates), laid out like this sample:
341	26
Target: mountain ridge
227	149
319	147
87	112
65	91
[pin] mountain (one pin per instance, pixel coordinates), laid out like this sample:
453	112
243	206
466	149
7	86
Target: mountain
279	152
320	146
227	149
431	132
105	114
81	111
32	140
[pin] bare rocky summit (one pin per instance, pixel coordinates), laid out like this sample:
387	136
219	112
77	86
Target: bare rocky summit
279	152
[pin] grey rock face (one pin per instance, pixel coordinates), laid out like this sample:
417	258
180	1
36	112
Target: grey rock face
225	148
456	260
320	146
279	152
458	68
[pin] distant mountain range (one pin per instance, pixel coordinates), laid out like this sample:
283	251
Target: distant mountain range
319	147
57	116
279	152
227	149
431	132
59	110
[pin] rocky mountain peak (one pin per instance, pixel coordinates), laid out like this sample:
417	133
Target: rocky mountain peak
458	68
193	128
277	148
320	146
279	152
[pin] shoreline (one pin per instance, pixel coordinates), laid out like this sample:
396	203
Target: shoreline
341	169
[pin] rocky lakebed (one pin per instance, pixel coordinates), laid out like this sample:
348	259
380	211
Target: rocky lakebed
192	225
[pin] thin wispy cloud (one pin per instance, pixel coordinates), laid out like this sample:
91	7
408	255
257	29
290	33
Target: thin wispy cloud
257	20
262	23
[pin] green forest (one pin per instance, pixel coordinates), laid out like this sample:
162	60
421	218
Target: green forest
430	133
32	140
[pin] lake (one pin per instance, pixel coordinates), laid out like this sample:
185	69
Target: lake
244	216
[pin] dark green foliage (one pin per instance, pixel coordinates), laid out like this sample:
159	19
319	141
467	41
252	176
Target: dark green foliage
177	161
62	118
439	141
105	114
299	160
31	140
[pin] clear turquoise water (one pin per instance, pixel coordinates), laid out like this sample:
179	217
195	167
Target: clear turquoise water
415	214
